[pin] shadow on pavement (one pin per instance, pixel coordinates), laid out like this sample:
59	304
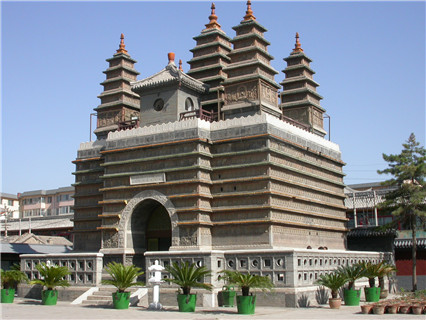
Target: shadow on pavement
33	302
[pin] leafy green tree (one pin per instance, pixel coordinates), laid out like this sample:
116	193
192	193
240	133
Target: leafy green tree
407	201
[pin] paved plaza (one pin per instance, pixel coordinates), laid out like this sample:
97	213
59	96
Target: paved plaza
32	309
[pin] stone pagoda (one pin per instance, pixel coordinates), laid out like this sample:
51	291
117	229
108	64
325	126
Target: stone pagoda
250	87
299	99
251	190
210	57
119	108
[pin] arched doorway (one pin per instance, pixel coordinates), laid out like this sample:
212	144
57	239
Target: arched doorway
150	227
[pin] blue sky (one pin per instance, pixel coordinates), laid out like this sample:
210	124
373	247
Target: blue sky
369	59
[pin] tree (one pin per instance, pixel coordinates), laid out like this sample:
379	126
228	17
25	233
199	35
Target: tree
407	201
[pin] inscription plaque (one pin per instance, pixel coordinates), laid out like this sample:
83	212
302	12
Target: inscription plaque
148	178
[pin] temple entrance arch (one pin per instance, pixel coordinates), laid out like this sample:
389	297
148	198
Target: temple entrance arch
148	222
150	227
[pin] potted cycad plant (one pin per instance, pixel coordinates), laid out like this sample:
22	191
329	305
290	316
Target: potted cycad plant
246	303
371	271
123	277
9	281
188	276
384	271
351	273
334	281
52	276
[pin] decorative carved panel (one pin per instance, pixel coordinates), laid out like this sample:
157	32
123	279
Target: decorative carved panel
241	92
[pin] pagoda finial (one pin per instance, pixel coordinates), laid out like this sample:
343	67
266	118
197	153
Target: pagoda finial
213	19
122	48
249	13
180	65
297	46
171	57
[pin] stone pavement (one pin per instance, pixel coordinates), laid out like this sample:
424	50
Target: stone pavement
32	309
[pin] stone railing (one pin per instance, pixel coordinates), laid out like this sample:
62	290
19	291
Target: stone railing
85	268
286	268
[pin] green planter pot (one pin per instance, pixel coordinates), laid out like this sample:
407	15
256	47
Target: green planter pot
49	297
351	297
228	296
246	304
186	302
7	295
372	294
121	300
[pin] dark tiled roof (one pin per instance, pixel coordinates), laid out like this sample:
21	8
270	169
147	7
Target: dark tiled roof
19	248
408	243
371	232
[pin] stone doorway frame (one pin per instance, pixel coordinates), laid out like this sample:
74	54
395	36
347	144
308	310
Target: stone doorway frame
128	210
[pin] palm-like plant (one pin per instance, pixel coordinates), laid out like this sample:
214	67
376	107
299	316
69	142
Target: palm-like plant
10	278
52	276
188	276
371	271
351	274
385	270
334	281
123	277
245	281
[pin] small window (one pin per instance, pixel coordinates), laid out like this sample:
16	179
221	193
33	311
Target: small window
267	262
189	104
158	104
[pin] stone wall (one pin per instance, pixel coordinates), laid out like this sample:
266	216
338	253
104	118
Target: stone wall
85	268
255	177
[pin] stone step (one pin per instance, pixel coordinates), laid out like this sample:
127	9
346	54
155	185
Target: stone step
107	289
103	293
104	298
97	302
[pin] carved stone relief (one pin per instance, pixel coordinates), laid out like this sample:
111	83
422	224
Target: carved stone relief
188	237
242	92
269	94
110	239
317	118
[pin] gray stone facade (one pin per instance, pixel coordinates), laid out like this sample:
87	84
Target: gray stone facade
219	183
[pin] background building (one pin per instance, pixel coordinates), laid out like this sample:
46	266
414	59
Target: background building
363	218
43	212
44	203
9	207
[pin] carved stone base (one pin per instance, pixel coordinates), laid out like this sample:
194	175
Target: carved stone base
155	306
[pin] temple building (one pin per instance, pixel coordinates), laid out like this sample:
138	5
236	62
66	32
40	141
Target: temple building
215	166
